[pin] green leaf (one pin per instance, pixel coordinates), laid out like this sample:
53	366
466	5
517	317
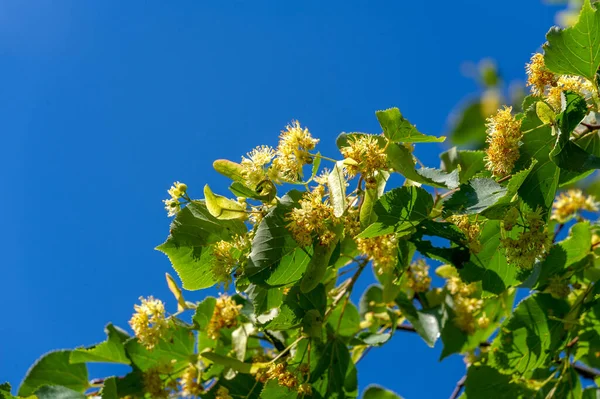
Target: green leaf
109	351
426	323
272	390
317	266
264	299
242	386
401	160
528	338
188	246
566	153
591	393
54	369
399	210
109	389
485	382
5	391
398	129
575	50
175	349
367	213
539	187
227	361
58	392
470	162
377	392
334	363
337	189
469	125
476	196
372	301
590	143
204	312
349	324
588	345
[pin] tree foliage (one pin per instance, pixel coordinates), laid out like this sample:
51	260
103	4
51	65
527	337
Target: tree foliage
300	228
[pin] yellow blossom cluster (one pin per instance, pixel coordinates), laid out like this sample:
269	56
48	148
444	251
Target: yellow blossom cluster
383	250
149	322
503	135
568	204
538	76
467	310
418	276
223	393
470	229
292	152
280	373
352	222
366	156
547	84
224	316
311	218
154	385
531	244
190	382
224	261
173	205
510	219
254	165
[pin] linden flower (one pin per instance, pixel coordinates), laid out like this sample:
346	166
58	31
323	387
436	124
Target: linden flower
149	323
223	393
368	155
531	244
568	204
292	152
224	316
173	205
224	261
153	384
457	287
311	217
573	83
558	288
253	166
470	229
280	373
190	383
383	250
510	219
418	274
538	76
503	135
465	310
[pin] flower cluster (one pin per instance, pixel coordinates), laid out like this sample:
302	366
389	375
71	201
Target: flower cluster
470	229
538	76
280	373
468	315
149	322
311	218
568	204
292	152
366	156
418	276
190	382
254	165
224	261
224	316
510	219
154	384
223	393
383	250
531	244
173	204
573	83
503	135
558	287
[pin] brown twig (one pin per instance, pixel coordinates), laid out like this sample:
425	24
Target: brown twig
459	386
591	126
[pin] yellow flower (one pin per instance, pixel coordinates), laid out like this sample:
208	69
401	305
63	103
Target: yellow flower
154	385
470	229
383	250
280	373
305	389
538	76
510	219
224	316
531	244
367	155
311	217
457	287
149	323
568	204
465	310
566	82
190	383
292	153
253	166
418	276
173	205
503	135
223	393
558	287
224	262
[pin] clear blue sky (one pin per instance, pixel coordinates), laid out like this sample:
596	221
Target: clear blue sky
105	103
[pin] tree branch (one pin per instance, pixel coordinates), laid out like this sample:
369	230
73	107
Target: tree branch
459	386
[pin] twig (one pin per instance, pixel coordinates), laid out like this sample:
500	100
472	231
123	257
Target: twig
459	386
591	126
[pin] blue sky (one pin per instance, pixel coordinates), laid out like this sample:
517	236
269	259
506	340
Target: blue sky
104	104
